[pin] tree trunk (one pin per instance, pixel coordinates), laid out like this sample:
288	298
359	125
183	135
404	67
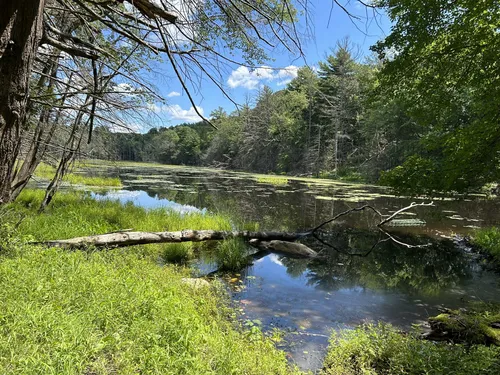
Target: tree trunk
21	29
122	239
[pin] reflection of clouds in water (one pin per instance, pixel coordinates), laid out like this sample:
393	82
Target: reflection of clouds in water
275	259
142	199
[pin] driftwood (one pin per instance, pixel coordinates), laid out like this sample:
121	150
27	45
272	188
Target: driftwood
122	239
279	242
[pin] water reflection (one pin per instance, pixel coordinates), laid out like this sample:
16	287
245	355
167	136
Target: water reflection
300	204
310	298
393	283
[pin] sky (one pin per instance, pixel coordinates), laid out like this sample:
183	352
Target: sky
326	25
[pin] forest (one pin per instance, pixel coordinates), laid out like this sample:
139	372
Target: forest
346	222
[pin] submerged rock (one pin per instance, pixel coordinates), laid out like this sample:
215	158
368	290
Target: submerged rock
471	327
293	249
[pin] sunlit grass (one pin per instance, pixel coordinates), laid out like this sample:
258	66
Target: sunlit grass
488	241
47	172
114	311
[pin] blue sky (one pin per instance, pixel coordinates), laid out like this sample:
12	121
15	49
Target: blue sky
242	83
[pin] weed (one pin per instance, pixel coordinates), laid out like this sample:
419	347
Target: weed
231	254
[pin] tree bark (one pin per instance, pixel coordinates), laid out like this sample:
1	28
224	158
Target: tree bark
122	239
21	29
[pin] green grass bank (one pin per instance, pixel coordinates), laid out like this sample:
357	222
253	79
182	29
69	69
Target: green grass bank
117	311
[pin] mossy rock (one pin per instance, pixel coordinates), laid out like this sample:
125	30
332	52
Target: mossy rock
475	326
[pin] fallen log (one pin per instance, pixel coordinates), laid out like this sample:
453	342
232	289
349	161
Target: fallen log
279	242
123	239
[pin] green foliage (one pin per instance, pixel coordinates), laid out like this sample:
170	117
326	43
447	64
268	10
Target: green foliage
488	240
416	176
178	252
381	349
446	71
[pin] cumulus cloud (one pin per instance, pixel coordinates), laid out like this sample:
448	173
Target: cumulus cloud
177	113
173	93
252	79
285	75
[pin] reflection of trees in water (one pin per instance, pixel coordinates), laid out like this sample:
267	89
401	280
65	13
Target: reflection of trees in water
388	267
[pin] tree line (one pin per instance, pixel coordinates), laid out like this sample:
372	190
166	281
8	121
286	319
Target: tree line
324	123
422	115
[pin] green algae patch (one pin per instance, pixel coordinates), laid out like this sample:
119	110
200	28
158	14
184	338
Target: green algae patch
272	180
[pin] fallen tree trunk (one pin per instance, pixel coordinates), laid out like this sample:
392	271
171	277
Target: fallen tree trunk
122	239
279	242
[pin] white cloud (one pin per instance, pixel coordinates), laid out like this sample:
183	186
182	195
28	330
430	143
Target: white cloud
128	128
173	93
252	79
287	74
177	113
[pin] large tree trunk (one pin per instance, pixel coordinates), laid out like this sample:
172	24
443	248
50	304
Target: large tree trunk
21	29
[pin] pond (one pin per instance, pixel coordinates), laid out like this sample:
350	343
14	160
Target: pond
308	299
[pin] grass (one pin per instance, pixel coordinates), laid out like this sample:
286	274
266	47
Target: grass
47	172
231	254
381	349
115	311
488	241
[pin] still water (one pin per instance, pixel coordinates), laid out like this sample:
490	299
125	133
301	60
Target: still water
308	299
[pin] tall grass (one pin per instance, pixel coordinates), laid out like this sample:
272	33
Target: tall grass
47	172
114	311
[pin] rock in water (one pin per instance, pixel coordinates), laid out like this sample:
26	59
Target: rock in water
293	249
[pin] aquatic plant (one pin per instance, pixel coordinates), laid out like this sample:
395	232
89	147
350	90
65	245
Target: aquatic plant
231	254
272	180
488	241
